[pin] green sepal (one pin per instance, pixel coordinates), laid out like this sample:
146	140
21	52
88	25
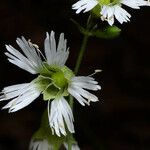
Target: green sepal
47	70
70	140
68	73
96	11
48	88
42	82
50	92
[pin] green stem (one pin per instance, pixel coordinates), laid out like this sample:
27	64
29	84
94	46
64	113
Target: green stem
77	67
81	52
78	62
69	146
69	141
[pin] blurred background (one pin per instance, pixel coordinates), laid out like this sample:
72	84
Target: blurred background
120	120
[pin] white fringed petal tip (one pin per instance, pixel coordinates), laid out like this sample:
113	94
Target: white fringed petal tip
110	11
21	95
78	86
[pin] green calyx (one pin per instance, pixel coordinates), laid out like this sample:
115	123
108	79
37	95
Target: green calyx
108	2
53	81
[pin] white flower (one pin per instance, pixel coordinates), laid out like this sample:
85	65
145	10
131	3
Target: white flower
55	81
110	9
40	145
45	145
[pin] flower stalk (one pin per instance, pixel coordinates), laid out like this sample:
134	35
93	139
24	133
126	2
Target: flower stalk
78	62
81	53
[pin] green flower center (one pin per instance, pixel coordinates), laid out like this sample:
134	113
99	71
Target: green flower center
59	79
53	81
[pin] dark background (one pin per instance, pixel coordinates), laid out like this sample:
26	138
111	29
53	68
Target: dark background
120	120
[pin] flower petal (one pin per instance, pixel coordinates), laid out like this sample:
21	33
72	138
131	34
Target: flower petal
135	4
30	61
21	95
84	5
53	56
60	112
77	89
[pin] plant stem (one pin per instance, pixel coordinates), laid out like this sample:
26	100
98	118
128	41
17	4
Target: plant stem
81	52
78	62
77	66
69	141
69	146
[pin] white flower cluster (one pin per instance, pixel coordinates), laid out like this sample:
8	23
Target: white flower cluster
110	10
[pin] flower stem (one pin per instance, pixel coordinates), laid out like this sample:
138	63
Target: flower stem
69	146
78	62
77	67
81	52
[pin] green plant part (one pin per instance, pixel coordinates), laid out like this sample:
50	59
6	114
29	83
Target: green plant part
53	81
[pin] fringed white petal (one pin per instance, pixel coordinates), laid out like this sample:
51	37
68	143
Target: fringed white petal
20	95
59	55
121	14
60	114
84	5
29	60
109	12
135	4
77	89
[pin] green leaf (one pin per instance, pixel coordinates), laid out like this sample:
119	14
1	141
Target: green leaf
107	33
